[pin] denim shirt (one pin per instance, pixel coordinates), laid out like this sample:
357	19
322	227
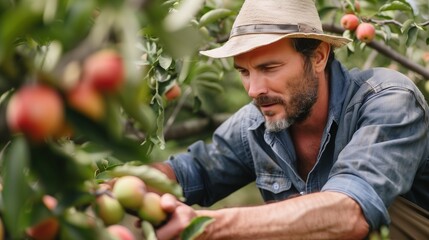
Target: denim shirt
374	148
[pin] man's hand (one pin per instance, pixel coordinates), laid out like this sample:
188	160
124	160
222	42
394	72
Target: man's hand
180	217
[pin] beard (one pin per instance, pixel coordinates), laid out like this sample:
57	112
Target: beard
299	106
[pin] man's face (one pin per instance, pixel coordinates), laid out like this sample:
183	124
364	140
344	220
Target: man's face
275	77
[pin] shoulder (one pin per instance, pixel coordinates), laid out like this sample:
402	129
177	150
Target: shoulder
380	78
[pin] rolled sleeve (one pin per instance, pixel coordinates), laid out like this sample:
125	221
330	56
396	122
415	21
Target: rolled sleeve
371	204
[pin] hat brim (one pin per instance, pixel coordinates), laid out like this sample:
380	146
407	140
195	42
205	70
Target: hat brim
245	43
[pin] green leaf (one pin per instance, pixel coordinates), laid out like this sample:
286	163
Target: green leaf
210	85
412	36
196	227
407	25
123	148
387	33
214	15
396	5
51	165
78	225
16	190
151	176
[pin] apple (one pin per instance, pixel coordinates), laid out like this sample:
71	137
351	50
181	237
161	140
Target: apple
35	110
108	209
365	32
119	232
104	70
151	209
174	92
350	22
44	230
48	228
87	100
2	232
129	190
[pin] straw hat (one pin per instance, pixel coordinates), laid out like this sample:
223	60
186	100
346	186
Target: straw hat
262	22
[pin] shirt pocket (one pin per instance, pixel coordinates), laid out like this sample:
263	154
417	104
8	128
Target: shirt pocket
273	183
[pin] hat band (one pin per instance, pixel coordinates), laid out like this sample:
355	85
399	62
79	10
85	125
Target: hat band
272	28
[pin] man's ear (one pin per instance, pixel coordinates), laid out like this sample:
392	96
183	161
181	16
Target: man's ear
320	57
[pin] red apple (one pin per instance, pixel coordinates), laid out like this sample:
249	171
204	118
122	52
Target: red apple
48	228
37	111
365	32
151	209
2	232
104	70
119	232
174	92
44	230
87	100
129	190
108	209
350	22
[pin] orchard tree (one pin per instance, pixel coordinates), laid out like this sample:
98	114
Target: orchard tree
88	89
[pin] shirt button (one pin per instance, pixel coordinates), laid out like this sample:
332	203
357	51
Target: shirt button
276	186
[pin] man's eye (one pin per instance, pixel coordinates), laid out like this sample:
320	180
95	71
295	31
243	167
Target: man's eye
269	69
243	71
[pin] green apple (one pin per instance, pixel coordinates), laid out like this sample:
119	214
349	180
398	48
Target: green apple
129	190
151	210
108	209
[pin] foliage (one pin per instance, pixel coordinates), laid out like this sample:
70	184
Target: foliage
48	42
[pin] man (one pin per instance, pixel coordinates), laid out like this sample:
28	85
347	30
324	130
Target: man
329	149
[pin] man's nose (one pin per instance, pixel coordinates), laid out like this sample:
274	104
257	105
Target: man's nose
257	86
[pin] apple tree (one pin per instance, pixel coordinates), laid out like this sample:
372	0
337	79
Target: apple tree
85	87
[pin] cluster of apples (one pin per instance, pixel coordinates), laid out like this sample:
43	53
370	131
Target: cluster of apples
365	31
37	109
127	194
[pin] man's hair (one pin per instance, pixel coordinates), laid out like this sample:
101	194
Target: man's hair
307	46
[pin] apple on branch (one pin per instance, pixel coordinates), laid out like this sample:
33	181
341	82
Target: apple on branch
365	32
104	70
35	110
350	22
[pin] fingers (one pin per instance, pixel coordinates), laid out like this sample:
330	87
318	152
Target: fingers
169	203
180	219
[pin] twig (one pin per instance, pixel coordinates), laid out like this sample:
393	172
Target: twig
385	22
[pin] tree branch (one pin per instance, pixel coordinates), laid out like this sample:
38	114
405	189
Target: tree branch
388	52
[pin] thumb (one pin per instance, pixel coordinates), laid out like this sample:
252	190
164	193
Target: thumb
169	202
